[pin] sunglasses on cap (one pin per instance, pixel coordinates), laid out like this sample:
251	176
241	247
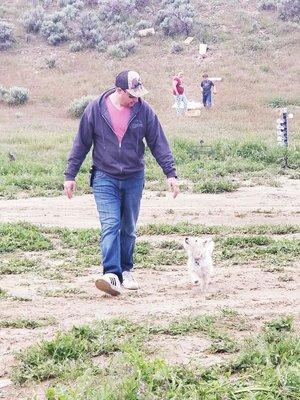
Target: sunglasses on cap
129	95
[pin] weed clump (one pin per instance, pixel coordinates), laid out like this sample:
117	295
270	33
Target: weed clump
176	17
289	10
88	31
176	48
33	19
123	49
75	47
6	35
50	62
54	30
278	102
15	96
22	236
268	5
77	107
143	24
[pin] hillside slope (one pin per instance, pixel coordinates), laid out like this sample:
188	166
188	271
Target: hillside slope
252	50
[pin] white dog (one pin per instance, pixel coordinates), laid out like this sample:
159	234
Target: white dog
200	263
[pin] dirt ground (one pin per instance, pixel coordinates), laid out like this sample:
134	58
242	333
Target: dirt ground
164	294
248	205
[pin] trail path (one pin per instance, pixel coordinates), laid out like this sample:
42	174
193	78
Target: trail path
252	205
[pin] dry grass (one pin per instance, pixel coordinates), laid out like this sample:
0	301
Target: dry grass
240	105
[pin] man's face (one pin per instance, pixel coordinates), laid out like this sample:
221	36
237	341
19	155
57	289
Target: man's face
126	99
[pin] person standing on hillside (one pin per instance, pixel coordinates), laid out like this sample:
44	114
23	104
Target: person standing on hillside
206	87
115	125
178	92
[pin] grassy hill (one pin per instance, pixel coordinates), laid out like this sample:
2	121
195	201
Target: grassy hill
253	50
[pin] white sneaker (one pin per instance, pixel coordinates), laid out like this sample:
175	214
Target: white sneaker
109	283
129	282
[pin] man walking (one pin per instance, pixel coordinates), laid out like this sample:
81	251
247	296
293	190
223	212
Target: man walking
115	125
206	86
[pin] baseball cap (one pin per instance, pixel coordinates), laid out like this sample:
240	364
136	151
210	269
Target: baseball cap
131	81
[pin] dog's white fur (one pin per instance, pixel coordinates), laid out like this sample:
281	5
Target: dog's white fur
200	263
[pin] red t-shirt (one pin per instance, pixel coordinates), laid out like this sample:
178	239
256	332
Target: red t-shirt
179	85
119	118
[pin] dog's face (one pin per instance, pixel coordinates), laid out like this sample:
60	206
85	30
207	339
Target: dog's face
199	247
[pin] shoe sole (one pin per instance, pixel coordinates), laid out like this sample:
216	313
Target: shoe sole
105	287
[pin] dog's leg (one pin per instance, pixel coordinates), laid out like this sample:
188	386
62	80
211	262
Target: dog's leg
194	278
205	280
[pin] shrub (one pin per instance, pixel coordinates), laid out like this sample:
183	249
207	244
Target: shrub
77	107
143	24
3	92
116	11
118	33
88	31
141	4
101	47
268	5
255	45
16	96
123	49
176	17
176	48
46	3
6	35
75	3
70	13
289	10
53	29
50	62
75	47
91	3
33	19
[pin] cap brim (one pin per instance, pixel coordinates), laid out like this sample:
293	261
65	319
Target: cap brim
138	92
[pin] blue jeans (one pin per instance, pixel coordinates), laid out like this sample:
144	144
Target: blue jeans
207	99
118	204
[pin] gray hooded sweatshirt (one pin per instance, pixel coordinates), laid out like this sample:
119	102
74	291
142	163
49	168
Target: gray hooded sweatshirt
119	160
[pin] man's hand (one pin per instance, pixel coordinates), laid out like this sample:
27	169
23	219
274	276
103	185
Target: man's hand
69	187
174	186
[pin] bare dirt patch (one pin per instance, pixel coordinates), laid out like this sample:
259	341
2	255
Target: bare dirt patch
249	205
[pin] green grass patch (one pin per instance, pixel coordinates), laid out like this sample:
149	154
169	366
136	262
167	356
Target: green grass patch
266	369
201	323
241	250
22	236
58	357
78	237
38	171
76	250
161	253
22	323
186	228
16	266
279	102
